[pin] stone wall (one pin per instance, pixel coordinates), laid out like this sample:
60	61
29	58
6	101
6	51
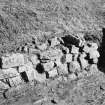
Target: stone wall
46	61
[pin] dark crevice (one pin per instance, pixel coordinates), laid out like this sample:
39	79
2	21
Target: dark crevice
101	62
0	63
24	76
70	40
40	68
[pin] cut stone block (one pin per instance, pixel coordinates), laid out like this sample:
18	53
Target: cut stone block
62	69
30	74
52	53
74	67
53	73
86	49
94	54
48	66
72	76
74	50
68	58
11	72
39	77
84	62
28	66
58	61
34	59
13	60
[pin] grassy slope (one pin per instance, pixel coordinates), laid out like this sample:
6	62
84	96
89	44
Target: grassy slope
20	20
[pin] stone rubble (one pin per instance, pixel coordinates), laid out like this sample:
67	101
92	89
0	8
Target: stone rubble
47	61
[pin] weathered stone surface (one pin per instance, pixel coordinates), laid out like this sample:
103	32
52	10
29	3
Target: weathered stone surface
74	50
62	69
34	59
28	66
93	69
68	58
74	66
48	66
43	46
54	42
3	85
94	46
53	72
75	56
15	81
94	54
84	62
13	60
11	72
58	61
95	60
39	77
52	53
86	49
72	76
30	74
1	74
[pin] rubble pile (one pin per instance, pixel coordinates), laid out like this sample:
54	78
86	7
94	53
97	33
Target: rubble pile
51	59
